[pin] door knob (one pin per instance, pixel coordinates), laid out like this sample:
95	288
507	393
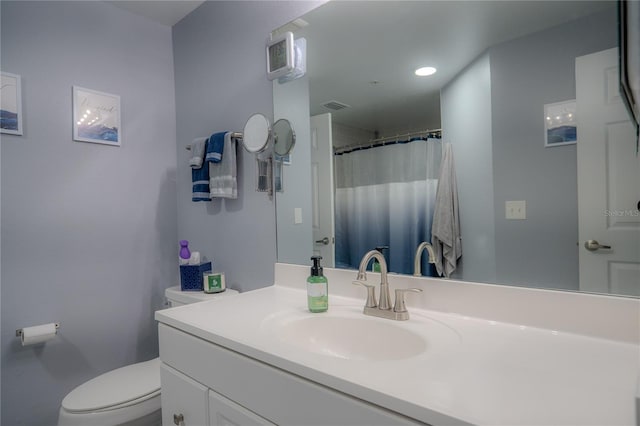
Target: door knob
324	241
593	245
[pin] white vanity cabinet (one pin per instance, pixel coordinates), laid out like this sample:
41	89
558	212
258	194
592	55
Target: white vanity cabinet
184	401
209	384
269	360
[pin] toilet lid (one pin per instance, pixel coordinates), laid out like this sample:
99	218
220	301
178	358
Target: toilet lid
115	387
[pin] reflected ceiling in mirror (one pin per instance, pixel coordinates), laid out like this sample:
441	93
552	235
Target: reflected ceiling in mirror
364	54
498	65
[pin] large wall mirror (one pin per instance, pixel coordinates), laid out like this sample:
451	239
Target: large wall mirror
527	95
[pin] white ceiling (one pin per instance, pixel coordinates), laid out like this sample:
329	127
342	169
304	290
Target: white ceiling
352	43
167	12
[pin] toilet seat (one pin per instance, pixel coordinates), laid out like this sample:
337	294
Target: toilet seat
120	388
116	406
144	413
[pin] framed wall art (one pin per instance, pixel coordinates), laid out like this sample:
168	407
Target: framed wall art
10	104
560	126
96	117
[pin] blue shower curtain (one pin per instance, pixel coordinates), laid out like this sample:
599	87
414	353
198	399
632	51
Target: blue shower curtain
385	197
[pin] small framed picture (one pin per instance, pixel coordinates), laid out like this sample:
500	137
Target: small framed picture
10	104
560	124
96	117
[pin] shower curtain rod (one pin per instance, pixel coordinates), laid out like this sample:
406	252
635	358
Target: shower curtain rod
372	143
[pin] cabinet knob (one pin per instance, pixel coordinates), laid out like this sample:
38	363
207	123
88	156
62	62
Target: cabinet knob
178	419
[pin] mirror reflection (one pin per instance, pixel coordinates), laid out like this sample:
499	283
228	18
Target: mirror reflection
256	133
284	138
525	94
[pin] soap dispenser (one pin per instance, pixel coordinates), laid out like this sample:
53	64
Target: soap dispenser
317	288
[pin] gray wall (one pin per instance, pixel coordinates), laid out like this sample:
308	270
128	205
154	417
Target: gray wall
295	241
89	231
526	74
220	76
343	135
466	120
492	112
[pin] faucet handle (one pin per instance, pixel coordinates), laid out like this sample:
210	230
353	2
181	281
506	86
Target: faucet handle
371	293
399	305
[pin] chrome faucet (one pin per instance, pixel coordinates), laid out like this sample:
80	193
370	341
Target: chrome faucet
384	283
383	308
417	268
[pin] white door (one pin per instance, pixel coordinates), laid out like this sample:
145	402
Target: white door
322	189
608	180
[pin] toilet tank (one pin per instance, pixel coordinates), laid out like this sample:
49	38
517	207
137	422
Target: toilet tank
176	297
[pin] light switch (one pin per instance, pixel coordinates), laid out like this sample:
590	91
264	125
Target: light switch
516	210
297	216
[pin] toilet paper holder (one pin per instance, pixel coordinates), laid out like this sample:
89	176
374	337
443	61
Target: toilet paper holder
19	331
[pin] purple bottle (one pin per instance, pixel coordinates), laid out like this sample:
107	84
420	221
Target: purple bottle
185	253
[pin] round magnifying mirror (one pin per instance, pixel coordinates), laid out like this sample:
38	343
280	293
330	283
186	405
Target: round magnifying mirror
284	137
256	133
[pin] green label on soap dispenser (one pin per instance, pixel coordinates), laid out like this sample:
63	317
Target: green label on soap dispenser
318	304
317	297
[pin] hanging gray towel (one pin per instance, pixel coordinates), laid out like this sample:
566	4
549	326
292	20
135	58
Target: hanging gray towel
445	230
223	174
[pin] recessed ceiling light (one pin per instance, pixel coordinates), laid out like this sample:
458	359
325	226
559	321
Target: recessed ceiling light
424	71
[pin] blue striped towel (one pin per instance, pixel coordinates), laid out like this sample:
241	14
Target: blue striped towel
200	180
215	148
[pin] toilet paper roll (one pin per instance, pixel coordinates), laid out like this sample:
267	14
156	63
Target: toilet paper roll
38	334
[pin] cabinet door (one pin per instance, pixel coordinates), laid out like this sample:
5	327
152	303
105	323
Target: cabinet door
224	412
184	401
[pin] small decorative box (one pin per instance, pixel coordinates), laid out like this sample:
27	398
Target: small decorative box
191	276
214	282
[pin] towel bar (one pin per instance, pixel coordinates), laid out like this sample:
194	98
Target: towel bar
234	135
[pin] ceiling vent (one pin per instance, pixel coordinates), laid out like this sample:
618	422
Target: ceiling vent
335	105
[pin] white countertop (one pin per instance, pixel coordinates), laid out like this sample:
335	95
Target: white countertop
480	371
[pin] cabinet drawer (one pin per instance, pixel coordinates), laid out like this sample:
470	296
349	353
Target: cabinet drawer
224	412
184	401
271	393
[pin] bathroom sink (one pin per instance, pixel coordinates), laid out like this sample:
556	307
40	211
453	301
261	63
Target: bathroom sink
347	337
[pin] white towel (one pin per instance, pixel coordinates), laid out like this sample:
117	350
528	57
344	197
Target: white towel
445	230
197	148
222	175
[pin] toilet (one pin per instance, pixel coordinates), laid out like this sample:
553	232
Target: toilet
129	395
